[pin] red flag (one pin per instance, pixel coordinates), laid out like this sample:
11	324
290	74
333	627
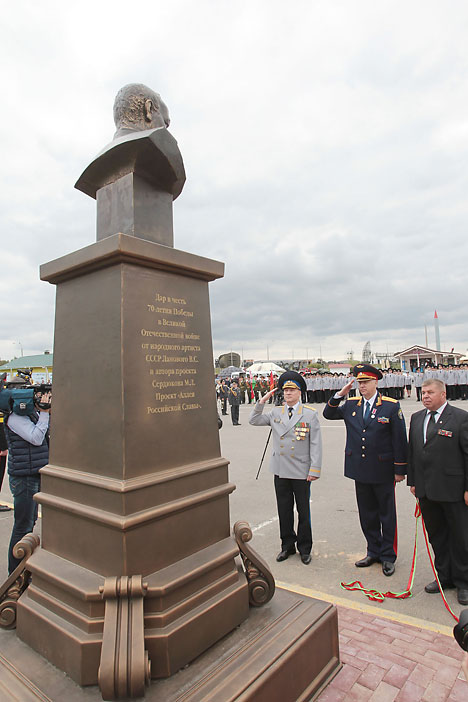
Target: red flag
272	382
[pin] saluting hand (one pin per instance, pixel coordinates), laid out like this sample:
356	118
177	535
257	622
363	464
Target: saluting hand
346	388
266	397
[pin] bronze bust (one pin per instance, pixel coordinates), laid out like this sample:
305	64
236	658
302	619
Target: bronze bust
136	177
137	108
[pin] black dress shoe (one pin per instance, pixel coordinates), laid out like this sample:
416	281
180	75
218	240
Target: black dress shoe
462	595
5	508
388	568
366	562
283	555
306	558
433	587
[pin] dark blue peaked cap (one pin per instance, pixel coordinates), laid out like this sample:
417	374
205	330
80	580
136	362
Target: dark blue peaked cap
293	378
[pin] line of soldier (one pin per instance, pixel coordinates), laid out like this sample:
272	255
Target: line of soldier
454	377
395	383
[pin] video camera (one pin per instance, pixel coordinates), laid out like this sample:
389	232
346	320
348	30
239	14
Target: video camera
20	396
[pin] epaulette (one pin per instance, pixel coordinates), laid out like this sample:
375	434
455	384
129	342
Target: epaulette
354	398
388	399
309	407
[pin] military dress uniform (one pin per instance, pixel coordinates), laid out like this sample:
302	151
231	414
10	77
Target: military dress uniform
376	450
234	402
296	454
242	390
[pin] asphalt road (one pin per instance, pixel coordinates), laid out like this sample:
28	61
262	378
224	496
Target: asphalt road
338	541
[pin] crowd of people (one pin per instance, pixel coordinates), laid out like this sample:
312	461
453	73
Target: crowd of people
394	383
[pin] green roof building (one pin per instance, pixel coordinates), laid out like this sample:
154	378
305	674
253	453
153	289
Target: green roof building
41	365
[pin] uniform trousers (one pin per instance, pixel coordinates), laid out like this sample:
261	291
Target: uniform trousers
235	414
287	491
377	514
447	528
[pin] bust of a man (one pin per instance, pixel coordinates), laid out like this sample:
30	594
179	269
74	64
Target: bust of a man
138	108
139	173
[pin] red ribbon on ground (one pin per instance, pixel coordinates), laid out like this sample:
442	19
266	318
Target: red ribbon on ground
377	596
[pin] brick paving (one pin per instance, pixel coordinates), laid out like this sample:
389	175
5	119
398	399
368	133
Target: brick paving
388	661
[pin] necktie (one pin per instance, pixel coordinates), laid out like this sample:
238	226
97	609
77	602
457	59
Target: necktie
290	411
366	411
431	426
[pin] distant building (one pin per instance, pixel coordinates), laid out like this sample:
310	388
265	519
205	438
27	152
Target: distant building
229	359
339	368
41	365
367	353
419	356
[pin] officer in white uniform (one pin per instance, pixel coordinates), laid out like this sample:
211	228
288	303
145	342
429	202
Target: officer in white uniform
296	460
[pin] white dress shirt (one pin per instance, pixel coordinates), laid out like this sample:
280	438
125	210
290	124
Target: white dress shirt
436	418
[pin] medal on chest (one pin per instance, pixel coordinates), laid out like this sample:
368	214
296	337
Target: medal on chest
301	430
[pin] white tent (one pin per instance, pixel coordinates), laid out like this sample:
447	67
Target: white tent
265	367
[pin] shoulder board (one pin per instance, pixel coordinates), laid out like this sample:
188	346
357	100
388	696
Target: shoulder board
388	399
350	399
309	407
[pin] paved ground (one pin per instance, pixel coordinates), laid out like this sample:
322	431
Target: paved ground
397	650
385	660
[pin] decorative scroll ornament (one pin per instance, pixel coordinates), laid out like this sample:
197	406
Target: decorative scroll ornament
259	577
124	667
17	582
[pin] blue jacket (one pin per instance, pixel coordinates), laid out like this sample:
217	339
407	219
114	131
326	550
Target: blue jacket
374	451
25	458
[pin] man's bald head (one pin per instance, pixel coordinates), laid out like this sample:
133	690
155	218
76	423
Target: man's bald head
137	107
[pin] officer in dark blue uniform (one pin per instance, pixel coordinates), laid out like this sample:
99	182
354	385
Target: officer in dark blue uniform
375	458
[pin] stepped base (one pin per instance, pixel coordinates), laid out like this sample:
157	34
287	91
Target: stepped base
286	650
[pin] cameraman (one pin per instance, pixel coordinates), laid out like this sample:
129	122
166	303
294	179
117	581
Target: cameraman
28	452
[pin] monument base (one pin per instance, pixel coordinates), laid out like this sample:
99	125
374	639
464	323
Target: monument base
287	649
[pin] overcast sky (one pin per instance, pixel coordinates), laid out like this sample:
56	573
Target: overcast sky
326	151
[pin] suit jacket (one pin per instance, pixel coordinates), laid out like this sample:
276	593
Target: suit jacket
297	442
438	469
375	450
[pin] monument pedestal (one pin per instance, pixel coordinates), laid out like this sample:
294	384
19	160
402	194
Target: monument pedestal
287	650
136	484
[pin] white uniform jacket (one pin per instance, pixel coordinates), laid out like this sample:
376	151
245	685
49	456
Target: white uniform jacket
297	442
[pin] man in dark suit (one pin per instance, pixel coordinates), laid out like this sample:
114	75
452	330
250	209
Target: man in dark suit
438	477
376	452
